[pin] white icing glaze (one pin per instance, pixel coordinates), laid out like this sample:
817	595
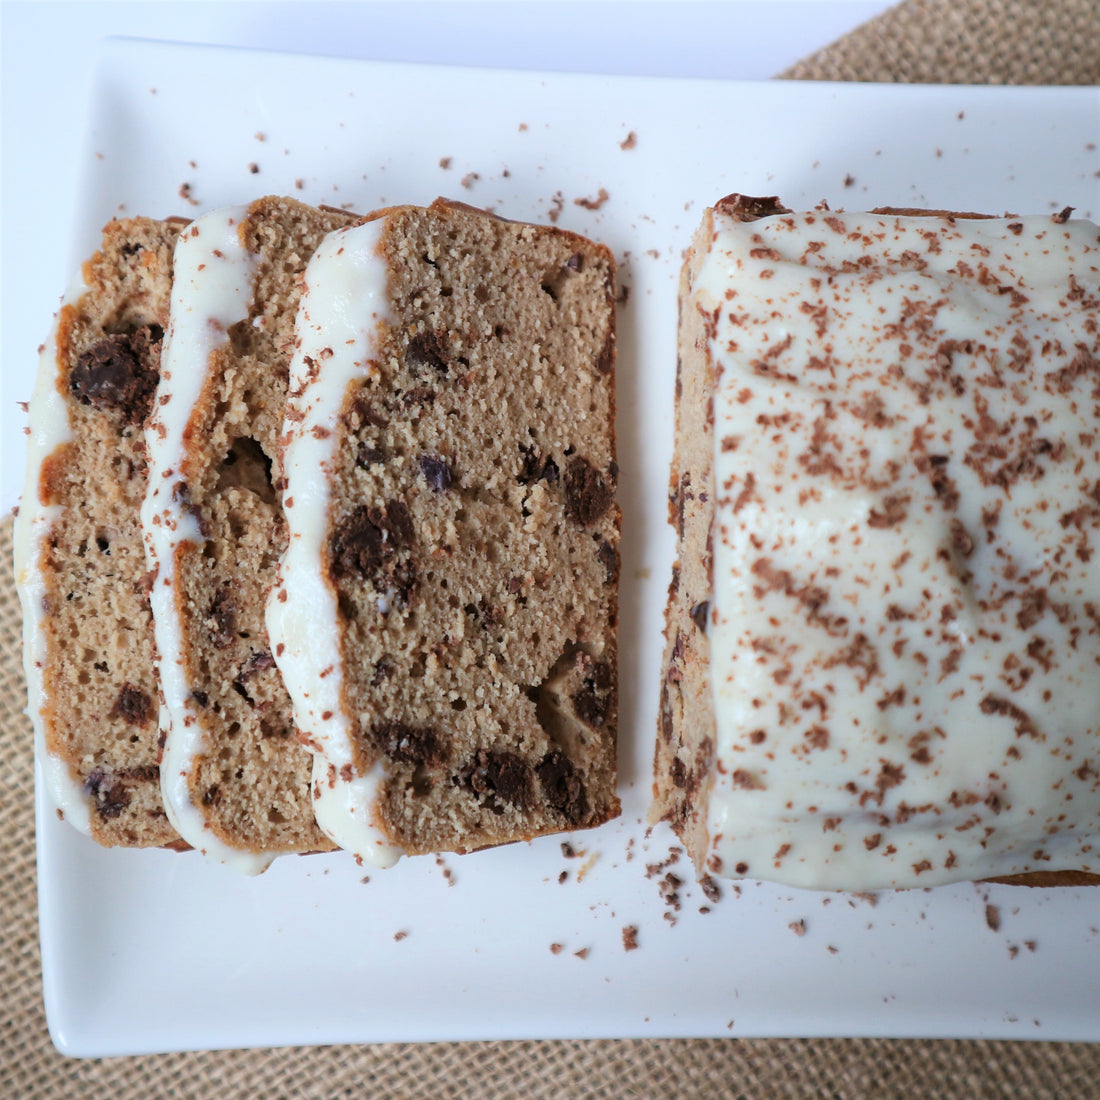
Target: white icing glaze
342	305
906	607
50	429
212	289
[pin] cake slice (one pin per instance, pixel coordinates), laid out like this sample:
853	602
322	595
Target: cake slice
446	613
883	628
79	562
234	775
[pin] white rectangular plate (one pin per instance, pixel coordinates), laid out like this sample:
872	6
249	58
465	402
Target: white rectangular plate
153	951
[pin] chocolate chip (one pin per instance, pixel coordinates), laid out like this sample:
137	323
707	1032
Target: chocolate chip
667	726
257	662
222	613
362	412
537	467
398	522
405	583
678	773
592	702
606	359
601	676
562	786
429	349
608	557
749	208
366	456
181	493
418	395
504	774
133	705
587	495
111	796
409	744
436	472
700	613
362	544
119	374
141	773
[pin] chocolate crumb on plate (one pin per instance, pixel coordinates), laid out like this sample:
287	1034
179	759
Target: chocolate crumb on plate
630	937
593	204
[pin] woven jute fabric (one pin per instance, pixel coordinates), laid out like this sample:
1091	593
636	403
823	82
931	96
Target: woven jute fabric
967	42
964	41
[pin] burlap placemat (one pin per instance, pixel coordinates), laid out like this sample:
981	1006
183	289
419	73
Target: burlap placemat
964	41
967	42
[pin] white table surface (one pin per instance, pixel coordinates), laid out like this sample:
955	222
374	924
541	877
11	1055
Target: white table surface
49	49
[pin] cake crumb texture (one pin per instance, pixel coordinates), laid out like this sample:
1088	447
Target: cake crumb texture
474	534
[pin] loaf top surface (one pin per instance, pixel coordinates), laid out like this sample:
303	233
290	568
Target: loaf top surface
905	624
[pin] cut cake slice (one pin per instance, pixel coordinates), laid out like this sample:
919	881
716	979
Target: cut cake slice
446	614
235	777
79	562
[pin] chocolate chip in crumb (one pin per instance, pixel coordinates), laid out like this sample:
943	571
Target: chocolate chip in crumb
429	349
362	543
133	705
591	704
562	786
367	456
606	359
700	613
110	794
437	473
537	467
221	616
505	775
119	374
588	497
257	662
409	744
608	557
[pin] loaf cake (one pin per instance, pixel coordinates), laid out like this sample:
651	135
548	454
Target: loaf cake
884	623
445	617
236	780
79	562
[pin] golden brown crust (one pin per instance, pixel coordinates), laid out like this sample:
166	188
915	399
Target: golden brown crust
1049	878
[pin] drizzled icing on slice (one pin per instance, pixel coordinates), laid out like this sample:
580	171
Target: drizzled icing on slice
342	306
50	429
212	288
